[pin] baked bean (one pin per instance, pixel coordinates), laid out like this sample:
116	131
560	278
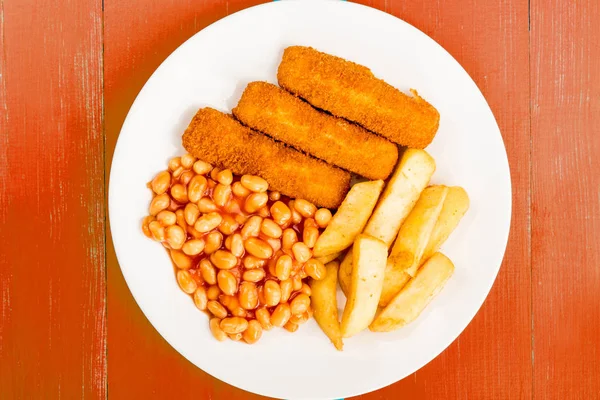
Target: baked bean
255	201
274	243
227	282
232	207
173	205
228	225
214	240
310	223
216	330
233	325
214	173
272	267
159	202
186	177
286	289
221	194
161	182
206	205
180	218
166	218
240	217
208	272
178	172
236	337
251	262
196	188
274	196
305	208
254	275
248	295
195	234
297	282
264	212
306	289
281	315
223	259
211	184
323	217
179	193
181	260
252	227
186	282
300	304
187	161
239	190
263	316
272	293
310	236
233	305
175	236
145	228
237	245
208	222
191	213
201	168
302	274
216	309
174	163
258	248
193	247
254	183
268	227
228	243
301	252
200	299
261	295
299	319
290	327
225	177
281	213
213	292
253	333
315	269
289	238
283	268
157	230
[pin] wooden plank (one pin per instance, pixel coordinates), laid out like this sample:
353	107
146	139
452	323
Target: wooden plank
492	358
565	103
142	364
52	280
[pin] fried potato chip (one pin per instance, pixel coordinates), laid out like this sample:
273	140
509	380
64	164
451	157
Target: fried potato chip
369	255
324	304
412	240
415	296
350	218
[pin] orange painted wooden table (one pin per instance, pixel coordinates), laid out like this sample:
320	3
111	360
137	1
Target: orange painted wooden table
69	71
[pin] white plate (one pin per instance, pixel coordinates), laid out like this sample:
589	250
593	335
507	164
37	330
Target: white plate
211	69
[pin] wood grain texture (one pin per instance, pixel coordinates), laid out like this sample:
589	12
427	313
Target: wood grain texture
565	103
139	35
492	358
52	280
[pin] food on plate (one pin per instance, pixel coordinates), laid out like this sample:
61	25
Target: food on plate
415	233
241	255
350	219
351	91
370	256
218	139
406	306
455	207
399	197
324	304
239	215
281	115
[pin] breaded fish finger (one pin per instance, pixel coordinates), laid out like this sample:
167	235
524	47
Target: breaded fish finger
281	115
219	139
351	91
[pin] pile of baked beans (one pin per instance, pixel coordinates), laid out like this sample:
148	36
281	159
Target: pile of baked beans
241	251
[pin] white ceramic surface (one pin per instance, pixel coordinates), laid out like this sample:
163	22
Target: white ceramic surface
211	69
